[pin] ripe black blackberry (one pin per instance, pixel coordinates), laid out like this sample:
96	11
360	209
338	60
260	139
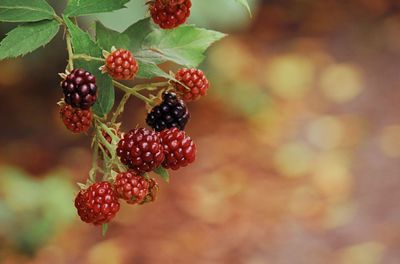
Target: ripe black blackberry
80	90
172	112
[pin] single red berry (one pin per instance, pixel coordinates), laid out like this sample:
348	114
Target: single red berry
76	120
195	81
131	187
141	150
80	90
152	194
121	65
179	149
98	204
170	14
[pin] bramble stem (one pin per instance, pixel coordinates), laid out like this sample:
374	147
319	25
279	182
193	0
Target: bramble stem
132	91
86	57
121	107
149	86
93	171
58	19
70	52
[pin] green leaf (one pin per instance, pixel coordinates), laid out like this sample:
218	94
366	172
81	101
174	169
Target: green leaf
163	173
148	70
83	44
245	4
185	45
107	38
27	38
137	33
86	7
25	11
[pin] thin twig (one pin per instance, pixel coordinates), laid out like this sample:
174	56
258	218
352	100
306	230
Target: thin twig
132	91
70	52
86	57
121	107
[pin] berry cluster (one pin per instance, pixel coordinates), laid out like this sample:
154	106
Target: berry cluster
127	158
141	150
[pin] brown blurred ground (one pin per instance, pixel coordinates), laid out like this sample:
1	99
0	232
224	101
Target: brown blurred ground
298	147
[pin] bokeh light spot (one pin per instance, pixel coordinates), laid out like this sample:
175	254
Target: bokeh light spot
331	175
294	159
341	82
365	253
325	132
390	141
290	76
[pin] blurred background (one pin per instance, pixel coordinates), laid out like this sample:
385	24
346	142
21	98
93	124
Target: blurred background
298	146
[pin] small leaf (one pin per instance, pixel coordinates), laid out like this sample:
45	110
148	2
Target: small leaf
104	229
163	173
27	38
83	44
25	11
107	38
86	7
245	4
184	45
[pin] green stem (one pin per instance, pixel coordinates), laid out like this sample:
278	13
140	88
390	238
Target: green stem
86	57
70	52
132	91
121	107
105	128
101	139
58	19
93	171
149	86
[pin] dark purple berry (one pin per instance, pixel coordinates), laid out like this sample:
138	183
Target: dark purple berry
80	90
172	112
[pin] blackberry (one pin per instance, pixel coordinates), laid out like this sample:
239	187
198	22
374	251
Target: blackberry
172	112
80	90
131	187
195	81
141	150
121	65
179	149
98	204
169	14
76	120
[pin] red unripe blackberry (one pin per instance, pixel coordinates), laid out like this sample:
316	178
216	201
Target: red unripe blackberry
131	187
98	204
80	90
170	13
76	120
179	149
195	80
152	194
141	150
121	65
172	112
